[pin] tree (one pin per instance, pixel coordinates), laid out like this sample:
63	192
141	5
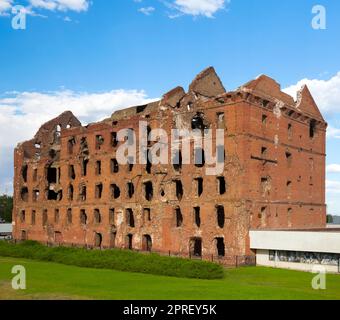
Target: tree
6	207
330	218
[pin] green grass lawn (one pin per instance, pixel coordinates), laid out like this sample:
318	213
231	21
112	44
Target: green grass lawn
56	281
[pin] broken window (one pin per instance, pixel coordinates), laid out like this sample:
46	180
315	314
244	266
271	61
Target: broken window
179	189
199	186
82	193
130	219
220	120
83	217
99	191
221	185
70	192
220	216
35	175
114	166
69	216
289	159
51	175
98	240
112	216
115	191
45	218
84	148
24	194
84	164
129	241
148	190
70	145
114	141
52	195
97	216
197	216
33	217
130	189
220	247
147	243
177	161
57	134
199	157
56	216
196	247
179	217
99	141
35	195
22	216
312	128
24	172
147	214
71	172
197	122
98	167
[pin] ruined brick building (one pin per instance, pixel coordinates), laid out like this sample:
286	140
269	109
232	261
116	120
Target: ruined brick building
70	189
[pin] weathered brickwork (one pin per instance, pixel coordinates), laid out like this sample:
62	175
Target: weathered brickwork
69	189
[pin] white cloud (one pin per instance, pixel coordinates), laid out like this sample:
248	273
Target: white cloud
333	168
325	92
332	186
147	11
5	5
61	5
333	132
205	8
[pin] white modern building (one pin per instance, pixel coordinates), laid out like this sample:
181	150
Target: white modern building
5	230
297	249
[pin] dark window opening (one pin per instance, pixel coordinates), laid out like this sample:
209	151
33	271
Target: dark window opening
220	246
83	217
99	191
177	161
51	175
98	240
179	189
114	141
83	193
147	214
199	158
114	166
148	167
130	219
221	185
69	216
199	186
84	165
98	168
147	243
197	122
197	216
264	152
140	109
264	119
148	190
162	192
289	159
52	195
179	217
70	145
23	235
99	141
130	167
45	218
115	191
71	172
112	216
22	216
24	172
70	192
289	186
220	216
196	247
130	190
24	194
312	128
97	216
33	217
129	241
56	216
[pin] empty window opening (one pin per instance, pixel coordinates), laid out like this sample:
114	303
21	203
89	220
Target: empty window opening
199	186
148	190
129	241
45	218
33	217
99	141
140	109
70	145
147	214
114	166
56	216
24	194
265	185
220	216
220	120
83	217
148	167
130	219
220	247
179	217
70	192
130	190
179	189
114	141
221	185
83	193
99	191
98	239
289	159
112	216
52	195
97	216
84	165
130	167
264	119
196	247
51	175
35	175
199	158
115	191
98	168
24	172
197	216
69	216
162	192
177	161
147	243
264	152
36	194
71	172
22	216
312	128
197	122
84	148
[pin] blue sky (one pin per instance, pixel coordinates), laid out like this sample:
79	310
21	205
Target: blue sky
94	57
